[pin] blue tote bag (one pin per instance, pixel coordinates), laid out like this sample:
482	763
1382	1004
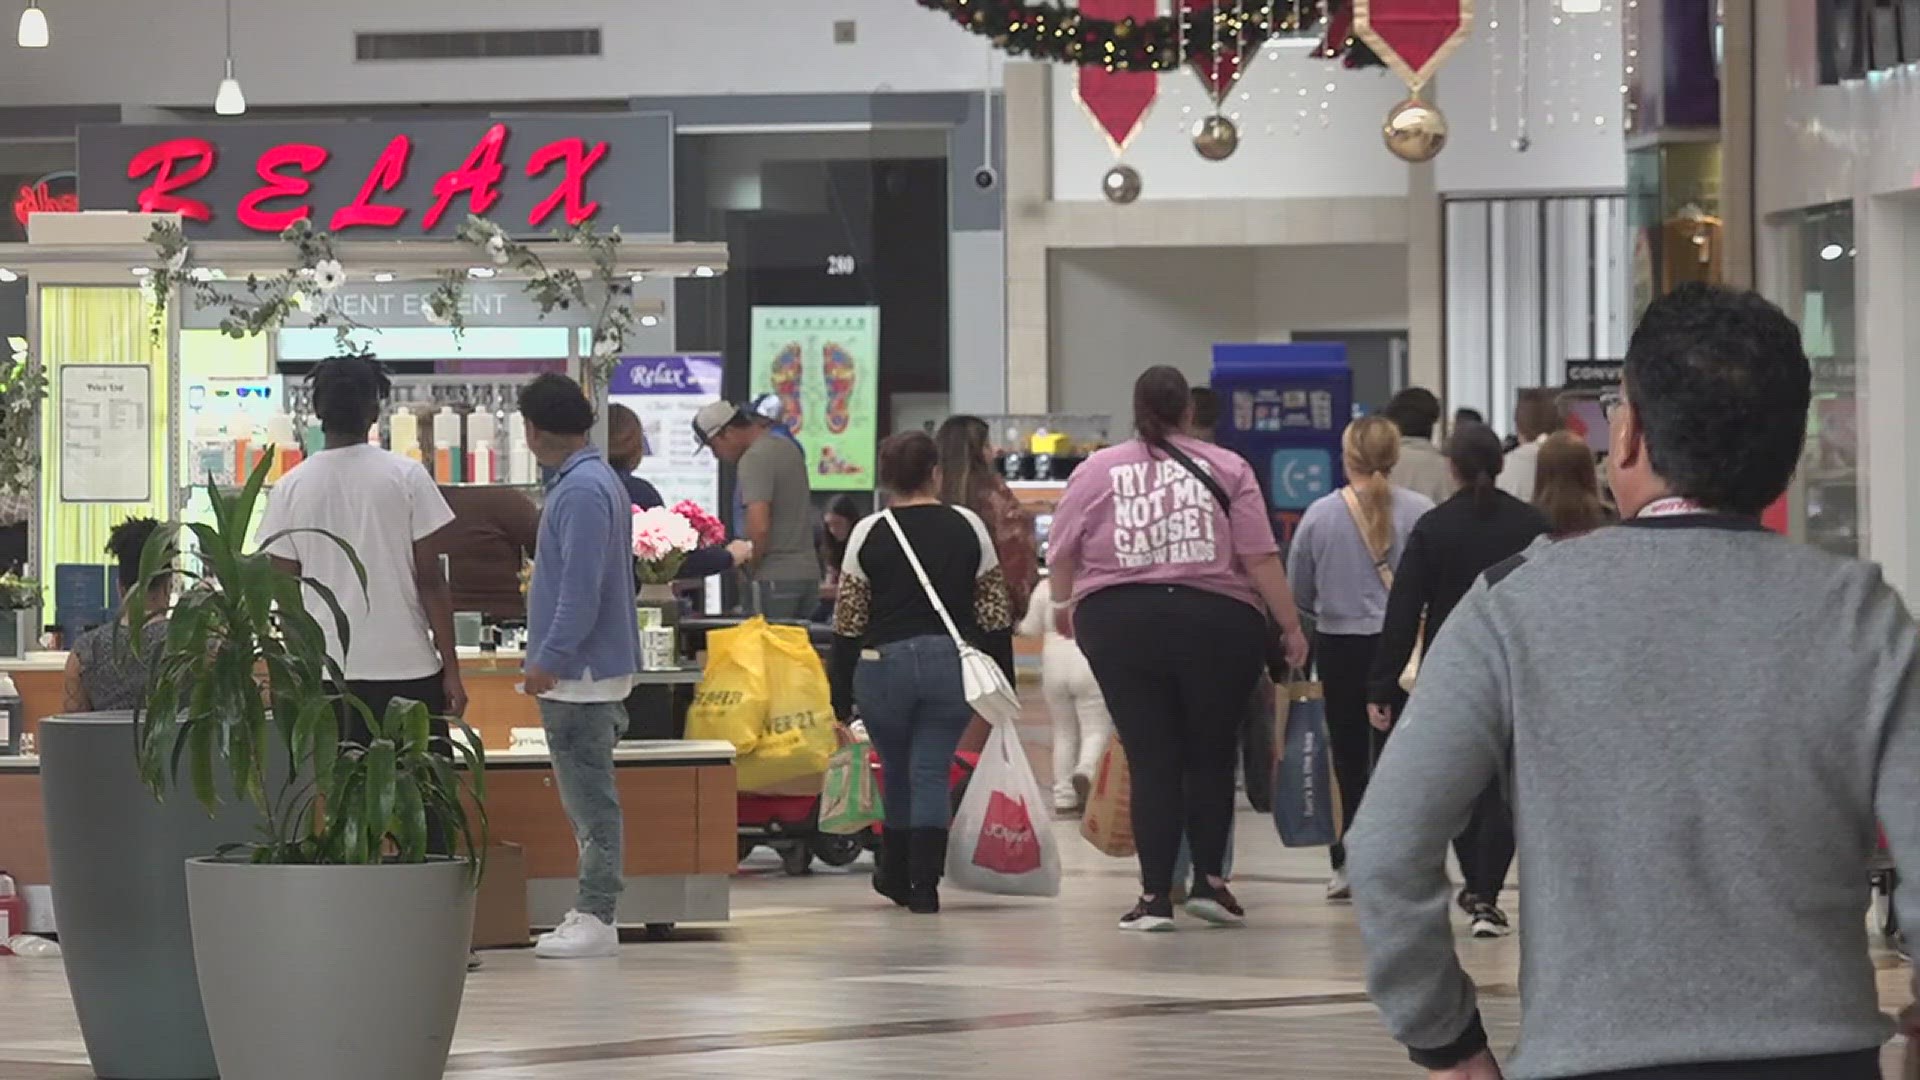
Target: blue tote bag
1306	793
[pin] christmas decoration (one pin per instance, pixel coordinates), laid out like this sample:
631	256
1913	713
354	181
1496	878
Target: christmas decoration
1116	101
1415	131
1071	35
1216	138
1121	184
1413	38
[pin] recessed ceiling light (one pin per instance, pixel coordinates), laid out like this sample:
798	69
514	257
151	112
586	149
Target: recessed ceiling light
636	277
480	271
649	320
142	271
703	271
383	276
8	276
1832	252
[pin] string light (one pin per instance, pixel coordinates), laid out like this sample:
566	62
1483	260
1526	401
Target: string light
1494	68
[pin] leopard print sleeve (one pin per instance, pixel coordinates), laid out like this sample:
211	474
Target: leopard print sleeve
992	607
853	611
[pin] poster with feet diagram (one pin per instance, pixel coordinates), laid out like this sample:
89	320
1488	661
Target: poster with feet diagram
823	362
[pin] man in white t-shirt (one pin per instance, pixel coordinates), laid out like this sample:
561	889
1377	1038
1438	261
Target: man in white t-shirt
385	506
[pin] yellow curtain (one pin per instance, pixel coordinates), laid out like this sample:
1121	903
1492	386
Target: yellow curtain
95	325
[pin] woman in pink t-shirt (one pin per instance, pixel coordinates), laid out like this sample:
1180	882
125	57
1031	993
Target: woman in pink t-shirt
1162	563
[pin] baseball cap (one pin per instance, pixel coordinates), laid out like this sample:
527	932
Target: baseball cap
713	418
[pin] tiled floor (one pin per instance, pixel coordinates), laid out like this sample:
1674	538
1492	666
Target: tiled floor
816	977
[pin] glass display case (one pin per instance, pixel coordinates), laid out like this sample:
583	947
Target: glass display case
1828	486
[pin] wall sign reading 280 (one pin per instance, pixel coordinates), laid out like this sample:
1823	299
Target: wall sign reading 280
175	166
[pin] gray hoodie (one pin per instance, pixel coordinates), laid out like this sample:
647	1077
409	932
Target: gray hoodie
1699	724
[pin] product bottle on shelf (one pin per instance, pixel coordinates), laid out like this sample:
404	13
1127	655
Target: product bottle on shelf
480	440
404	428
209	452
240	432
286	453
520	465
448	457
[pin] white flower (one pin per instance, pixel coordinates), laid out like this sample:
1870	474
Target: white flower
606	346
304	302
497	247
329	275
178	260
149	290
436	312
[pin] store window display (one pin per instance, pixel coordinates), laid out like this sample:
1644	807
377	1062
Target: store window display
1828	484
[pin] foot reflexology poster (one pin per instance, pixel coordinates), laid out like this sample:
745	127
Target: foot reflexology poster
824	364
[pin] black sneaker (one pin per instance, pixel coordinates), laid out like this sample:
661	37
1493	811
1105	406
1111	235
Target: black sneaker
1215	904
1489	921
1153	914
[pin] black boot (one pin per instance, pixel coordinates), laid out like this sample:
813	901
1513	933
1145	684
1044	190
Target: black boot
890	866
926	863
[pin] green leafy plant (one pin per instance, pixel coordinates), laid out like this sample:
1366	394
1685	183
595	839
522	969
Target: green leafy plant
258	304
608	293
207	711
17	593
23	386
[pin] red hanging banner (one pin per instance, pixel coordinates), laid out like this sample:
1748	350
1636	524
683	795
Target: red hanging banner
1117	101
1215	45
1413	37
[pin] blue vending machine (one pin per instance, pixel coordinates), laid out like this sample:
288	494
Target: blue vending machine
1284	408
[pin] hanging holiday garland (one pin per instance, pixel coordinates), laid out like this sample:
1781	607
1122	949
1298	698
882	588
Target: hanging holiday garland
1063	35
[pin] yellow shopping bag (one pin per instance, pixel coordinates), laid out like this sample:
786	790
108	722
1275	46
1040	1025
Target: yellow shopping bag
765	691
799	736
730	703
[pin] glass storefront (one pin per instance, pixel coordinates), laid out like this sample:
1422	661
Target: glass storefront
1830	480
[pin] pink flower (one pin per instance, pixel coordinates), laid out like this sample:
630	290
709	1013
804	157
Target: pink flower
709	528
660	534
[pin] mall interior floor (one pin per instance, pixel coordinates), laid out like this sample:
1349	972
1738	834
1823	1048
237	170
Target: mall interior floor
817	977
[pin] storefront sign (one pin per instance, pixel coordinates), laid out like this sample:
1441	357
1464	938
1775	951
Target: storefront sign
665	392
106	425
388	305
824	364
530	175
53	193
1594	375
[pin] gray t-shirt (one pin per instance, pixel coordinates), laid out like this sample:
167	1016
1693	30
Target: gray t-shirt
774	470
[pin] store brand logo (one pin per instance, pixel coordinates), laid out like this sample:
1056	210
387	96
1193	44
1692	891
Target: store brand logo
51	194
175	166
669	374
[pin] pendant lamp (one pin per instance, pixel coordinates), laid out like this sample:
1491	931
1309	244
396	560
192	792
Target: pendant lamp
33	27
228	100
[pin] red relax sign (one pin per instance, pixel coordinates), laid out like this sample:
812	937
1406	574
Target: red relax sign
173	168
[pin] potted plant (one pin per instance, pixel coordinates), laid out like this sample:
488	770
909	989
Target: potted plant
335	945
19	619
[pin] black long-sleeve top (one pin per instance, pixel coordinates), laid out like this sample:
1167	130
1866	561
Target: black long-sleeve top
882	601
1450	547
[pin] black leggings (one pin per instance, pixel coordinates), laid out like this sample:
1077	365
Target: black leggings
1860	1065
1485	850
1176	666
1346	663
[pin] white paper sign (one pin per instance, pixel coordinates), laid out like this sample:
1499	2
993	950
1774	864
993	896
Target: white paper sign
106	433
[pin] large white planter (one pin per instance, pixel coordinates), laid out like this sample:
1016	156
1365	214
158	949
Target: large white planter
330	972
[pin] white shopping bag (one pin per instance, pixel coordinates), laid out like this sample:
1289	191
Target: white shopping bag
1002	838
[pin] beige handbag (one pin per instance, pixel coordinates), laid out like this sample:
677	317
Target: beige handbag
1411	672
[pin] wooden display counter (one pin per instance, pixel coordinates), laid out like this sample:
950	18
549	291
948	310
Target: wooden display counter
495	706
678	800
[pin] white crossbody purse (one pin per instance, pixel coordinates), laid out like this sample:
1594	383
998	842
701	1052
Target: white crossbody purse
986	685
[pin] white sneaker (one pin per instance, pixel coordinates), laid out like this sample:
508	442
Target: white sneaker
577	937
1338	888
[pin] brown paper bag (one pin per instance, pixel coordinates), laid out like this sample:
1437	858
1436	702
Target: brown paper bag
1108	821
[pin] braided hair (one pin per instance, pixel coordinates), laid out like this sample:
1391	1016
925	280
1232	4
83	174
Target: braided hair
347	392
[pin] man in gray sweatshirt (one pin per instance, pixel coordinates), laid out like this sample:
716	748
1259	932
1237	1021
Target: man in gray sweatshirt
1699	724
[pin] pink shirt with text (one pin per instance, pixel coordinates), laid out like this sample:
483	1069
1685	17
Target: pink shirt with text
1134	516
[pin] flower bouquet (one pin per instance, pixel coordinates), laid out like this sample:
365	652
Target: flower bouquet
663	538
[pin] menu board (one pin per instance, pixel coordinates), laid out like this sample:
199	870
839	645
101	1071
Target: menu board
824	363
106	433
665	392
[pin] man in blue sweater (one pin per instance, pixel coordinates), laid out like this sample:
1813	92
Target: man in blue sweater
583	648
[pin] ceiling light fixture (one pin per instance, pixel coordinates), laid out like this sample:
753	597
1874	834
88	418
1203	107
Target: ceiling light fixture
1580	7
649	320
383	276
1832	252
703	271
228	100
636	277
141	271
480	271
7	276
33	27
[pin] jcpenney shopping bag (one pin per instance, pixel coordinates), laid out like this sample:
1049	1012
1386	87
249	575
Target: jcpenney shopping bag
1002	838
1306	793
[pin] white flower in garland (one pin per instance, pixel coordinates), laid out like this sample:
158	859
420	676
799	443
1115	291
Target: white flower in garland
606	346
305	303
149	289
329	275
178	260
497	249
437	313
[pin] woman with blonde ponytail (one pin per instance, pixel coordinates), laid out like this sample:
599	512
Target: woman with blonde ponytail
1341	566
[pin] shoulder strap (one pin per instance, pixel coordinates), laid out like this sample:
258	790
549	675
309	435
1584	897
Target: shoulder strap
933	596
1213	486
1380	564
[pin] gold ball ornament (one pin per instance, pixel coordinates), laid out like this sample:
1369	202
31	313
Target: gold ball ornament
1121	184
1415	131
1216	138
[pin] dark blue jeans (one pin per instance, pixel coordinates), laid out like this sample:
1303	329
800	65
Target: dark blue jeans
915	708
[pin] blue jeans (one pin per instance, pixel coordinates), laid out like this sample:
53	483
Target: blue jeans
915	708
580	739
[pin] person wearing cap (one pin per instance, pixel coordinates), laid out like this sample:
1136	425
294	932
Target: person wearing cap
771	478
626	448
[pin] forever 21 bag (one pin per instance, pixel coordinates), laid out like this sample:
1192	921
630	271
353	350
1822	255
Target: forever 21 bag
987	688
